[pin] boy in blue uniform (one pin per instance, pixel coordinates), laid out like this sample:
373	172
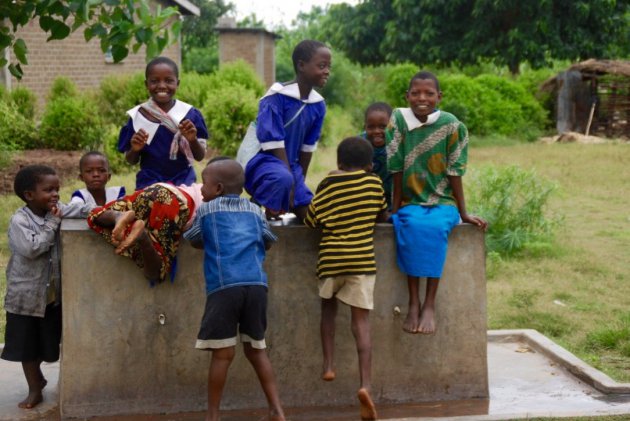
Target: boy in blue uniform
234	235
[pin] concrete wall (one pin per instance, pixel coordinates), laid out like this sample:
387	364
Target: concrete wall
117	357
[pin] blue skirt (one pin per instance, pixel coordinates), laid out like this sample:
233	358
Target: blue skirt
422	238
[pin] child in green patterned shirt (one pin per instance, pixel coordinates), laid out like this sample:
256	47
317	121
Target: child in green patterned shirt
427	153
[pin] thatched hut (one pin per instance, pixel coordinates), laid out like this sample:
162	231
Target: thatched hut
593	96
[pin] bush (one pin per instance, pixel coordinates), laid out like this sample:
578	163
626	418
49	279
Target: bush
397	83
25	101
195	88
16	131
338	124
69	124
119	93
228	112
513	201
117	162
62	87
241	74
201	60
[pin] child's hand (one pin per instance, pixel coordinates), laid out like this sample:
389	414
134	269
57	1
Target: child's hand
188	130
55	211
138	140
475	220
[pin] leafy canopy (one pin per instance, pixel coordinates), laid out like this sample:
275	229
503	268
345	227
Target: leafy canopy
508	32
119	24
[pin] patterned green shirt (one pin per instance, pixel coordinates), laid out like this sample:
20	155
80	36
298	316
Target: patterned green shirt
426	153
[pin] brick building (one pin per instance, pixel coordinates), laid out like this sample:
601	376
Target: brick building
255	46
82	62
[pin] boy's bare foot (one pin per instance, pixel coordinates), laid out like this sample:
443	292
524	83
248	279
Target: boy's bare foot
368	410
329	375
427	321
122	222
137	229
32	400
410	325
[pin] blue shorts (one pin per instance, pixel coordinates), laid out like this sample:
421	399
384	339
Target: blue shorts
422	238
242	308
270	183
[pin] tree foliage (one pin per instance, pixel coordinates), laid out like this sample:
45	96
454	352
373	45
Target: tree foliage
119	24
508	32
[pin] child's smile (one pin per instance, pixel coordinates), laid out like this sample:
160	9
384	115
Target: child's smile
375	124
317	69
45	197
162	84
423	97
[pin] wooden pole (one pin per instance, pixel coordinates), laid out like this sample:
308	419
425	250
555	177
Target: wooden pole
590	118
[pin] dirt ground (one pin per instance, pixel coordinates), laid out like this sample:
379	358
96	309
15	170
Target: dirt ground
66	163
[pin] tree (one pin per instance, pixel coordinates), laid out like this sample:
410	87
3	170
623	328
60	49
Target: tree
507	32
119	24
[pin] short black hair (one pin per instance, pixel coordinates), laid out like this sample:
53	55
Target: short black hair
424	75
355	152
378	106
92	153
27	178
304	51
229	173
161	60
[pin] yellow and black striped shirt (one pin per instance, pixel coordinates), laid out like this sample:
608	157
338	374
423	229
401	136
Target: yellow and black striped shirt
345	207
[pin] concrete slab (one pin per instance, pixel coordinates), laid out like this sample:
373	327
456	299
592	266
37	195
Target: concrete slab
525	382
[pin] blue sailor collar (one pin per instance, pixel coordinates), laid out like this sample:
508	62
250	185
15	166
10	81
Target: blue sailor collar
412	121
292	90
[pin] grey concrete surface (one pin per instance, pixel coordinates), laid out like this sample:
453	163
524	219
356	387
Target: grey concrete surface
118	358
525	382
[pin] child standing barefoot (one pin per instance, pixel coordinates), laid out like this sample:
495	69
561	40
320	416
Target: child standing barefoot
164	134
427	153
94	172
33	298
289	123
234	235
348	203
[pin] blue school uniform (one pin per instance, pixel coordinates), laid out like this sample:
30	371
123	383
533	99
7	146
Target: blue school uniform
267	178
155	163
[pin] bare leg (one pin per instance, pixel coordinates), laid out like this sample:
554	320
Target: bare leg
362	337
123	220
410	325
221	360
260	361
300	212
427	316
151	258
327	330
36	382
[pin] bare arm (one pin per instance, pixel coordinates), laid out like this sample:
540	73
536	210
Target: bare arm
138	141
397	179
305	161
189	131
458	192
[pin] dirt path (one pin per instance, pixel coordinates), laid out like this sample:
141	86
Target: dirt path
66	163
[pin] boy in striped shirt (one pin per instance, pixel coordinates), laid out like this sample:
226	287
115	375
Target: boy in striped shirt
348	203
